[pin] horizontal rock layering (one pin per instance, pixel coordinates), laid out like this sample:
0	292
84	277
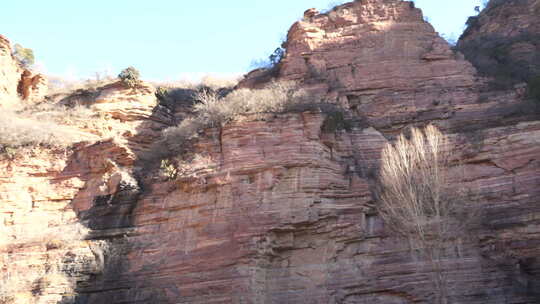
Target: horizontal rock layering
277	210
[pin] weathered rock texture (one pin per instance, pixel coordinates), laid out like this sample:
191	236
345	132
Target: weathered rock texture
277	210
32	87
42	248
53	203
17	83
9	71
504	40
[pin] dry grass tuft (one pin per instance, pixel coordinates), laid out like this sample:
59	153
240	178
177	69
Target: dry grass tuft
42	125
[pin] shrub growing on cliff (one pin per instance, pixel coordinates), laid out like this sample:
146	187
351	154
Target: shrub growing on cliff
212	82
168	169
18	132
418	202
23	55
130	77
212	110
271	62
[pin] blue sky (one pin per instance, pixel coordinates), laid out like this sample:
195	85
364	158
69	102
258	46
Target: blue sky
171	39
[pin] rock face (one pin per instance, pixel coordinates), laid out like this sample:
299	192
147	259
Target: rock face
18	83
43	251
362	45
504	40
384	63
53	202
280	209
32	87
10	73
280	212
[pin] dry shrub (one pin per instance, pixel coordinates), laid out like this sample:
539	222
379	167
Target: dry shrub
177	139
59	114
277	97
130	77
214	111
168	169
216	83
45	125
191	165
18	132
182	93
420	201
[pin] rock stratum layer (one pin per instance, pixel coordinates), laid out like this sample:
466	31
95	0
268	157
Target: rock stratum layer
280	210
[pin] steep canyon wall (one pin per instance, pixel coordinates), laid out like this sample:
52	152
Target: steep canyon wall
279	209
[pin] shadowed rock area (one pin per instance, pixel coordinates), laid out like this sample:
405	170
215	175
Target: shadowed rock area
504	42
280	208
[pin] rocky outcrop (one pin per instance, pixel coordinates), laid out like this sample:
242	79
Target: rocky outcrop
132	116
16	82
10	73
64	212
279	209
503	41
32	87
363	44
383	62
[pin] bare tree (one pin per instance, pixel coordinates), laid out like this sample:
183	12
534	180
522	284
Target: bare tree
418	201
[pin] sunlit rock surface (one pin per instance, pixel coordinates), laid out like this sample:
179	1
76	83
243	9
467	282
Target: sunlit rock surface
280	209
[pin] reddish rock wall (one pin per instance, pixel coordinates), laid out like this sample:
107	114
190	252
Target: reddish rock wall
282	213
278	211
56	204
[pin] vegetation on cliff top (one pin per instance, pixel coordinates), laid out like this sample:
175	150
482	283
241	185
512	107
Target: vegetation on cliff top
42	125
130	77
214	110
24	56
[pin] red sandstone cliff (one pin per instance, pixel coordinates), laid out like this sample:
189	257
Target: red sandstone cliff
279	210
